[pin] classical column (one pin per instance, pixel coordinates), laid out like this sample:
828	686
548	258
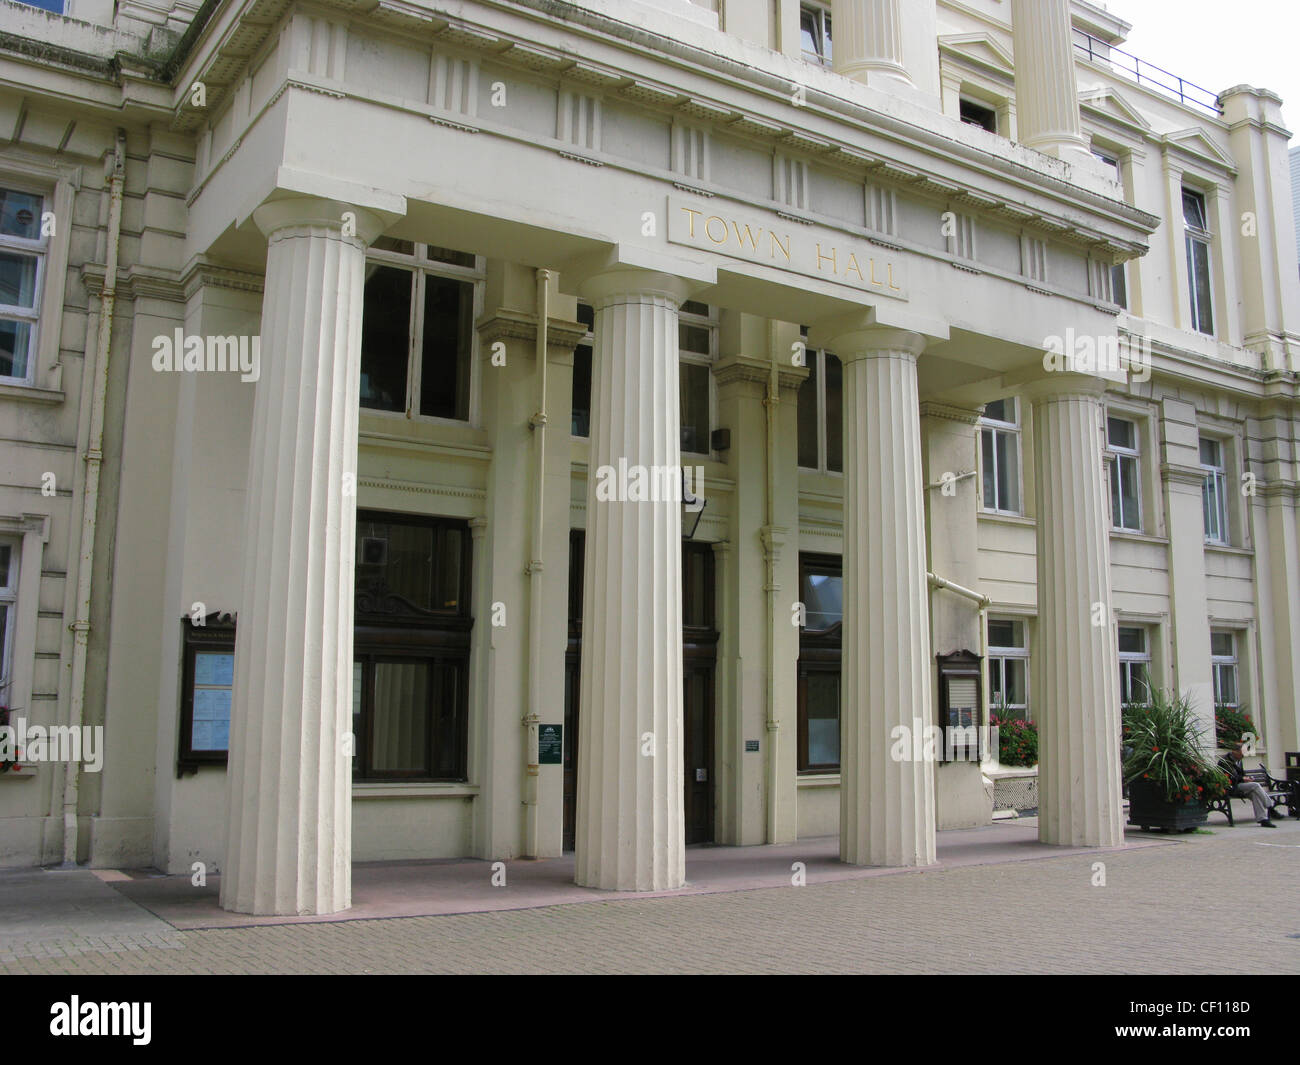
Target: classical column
887	812
868	40
630	832
1076	668
289	831
1047	94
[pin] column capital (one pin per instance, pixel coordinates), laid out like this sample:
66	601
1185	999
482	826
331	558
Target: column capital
360	223
634	284
875	342
1061	386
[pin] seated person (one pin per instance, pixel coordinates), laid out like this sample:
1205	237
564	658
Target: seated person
1246	789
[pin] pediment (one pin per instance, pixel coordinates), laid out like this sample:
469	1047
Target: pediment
1194	142
1112	104
979	48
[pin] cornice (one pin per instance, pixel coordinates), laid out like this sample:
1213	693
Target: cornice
731	369
201	273
950	412
505	324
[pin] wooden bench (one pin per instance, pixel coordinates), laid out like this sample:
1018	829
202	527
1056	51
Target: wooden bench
1280	791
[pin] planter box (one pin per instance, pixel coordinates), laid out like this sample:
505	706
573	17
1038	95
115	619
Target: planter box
1149	809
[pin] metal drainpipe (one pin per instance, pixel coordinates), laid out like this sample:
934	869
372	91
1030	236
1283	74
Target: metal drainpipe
94	458
534	570
771	403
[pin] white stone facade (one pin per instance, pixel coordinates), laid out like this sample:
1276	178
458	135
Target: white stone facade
672	190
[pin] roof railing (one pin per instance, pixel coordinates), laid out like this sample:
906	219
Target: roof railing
1148	74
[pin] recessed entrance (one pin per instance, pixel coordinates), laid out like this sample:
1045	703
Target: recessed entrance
699	661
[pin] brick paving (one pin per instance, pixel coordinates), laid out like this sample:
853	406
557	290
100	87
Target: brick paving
1162	909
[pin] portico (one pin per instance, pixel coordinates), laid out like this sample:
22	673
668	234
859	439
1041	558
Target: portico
868	241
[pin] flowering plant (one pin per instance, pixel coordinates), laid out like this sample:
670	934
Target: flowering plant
1017	740
1231	723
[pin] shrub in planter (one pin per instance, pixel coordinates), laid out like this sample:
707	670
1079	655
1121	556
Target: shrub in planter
1017	741
1169	778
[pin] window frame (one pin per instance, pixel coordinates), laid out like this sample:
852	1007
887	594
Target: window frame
435	637
821	14
1128	660
820	651
40	250
1215	482
1011	429
9	608
817	360
708	321
972	103
998	655
1116	456
1232	661
421	265
1195	236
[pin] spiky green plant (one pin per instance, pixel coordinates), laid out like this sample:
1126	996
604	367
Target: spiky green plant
1163	745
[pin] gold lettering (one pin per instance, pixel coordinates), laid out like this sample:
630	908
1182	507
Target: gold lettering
853	265
748	235
692	215
776	243
822	258
891	279
708	231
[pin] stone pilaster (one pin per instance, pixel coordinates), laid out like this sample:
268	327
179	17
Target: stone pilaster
630	832
887	813
1047	94
289	833
1076	682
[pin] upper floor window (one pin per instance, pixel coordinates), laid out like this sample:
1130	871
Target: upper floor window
697	342
417	329
1223	657
1134	665
815	33
22	269
1008	651
977	114
1214	491
1125	475
1197	235
820	410
55	6
1000	456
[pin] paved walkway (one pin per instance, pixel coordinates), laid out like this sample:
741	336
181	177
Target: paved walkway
1164	902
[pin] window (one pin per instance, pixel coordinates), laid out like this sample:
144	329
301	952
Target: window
821	590
1197	235
697	337
22	270
417	329
580	423
8	614
1125	477
1000	456
1134	665
1223	657
976	114
1008	651
820	413
1214	492
410	678
207	690
815	33
54	6
697	342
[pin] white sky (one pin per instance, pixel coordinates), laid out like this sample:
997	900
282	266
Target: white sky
1221	43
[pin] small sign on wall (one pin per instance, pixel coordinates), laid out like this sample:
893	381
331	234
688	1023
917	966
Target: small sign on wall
550	744
751	746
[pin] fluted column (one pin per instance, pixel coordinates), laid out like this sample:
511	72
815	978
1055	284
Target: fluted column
289	831
630	832
868	40
1047	94
887	812
1076	681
